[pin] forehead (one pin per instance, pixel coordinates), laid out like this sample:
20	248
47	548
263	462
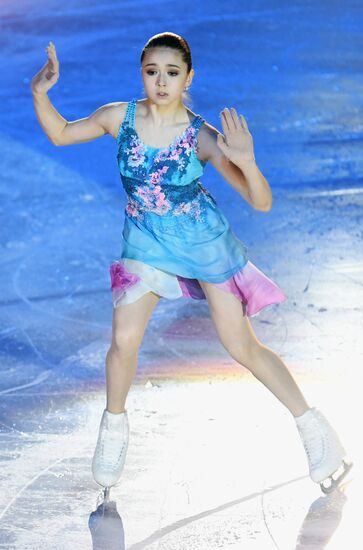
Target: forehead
163	56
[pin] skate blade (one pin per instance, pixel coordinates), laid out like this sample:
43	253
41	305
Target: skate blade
335	481
104	496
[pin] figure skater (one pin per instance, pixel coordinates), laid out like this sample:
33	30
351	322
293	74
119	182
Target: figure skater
177	243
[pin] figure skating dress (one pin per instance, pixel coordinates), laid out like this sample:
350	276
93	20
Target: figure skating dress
174	233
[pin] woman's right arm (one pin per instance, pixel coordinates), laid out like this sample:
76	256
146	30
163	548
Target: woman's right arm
56	127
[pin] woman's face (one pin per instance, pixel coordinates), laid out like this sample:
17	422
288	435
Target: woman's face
163	70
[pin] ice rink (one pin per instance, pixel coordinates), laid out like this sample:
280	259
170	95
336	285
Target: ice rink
214	459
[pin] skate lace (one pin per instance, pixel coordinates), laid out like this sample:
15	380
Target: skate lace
112	446
314	444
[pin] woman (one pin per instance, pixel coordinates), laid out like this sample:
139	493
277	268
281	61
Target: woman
177	243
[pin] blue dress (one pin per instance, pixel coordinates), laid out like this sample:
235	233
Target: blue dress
174	233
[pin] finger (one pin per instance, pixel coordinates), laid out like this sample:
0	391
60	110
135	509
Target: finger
224	124
50	52
224	120
52	56
235	119
54	59
230	122
51	49
243	122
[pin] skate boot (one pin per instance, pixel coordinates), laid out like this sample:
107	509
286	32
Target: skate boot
110	453
324	450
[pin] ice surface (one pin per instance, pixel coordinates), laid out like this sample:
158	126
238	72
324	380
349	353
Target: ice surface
214	460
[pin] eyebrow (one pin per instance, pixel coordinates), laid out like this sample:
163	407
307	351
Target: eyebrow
168	65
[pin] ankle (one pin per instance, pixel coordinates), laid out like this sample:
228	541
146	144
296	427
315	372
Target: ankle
302	412
115	411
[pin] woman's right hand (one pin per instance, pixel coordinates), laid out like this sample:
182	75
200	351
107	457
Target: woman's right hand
48	75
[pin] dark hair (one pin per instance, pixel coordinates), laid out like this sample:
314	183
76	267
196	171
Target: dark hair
170	40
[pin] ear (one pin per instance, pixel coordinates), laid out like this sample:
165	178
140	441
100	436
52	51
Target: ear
190	77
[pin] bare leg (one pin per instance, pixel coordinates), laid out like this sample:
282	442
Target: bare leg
269	368
128	326
237	336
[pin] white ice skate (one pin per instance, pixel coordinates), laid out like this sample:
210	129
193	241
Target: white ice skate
324	450
110	452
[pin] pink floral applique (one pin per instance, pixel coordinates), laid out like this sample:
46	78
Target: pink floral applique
152	199
133	209
192	207
144	194
185	207
162	156
181	146
156	177
187	141
175	154
137	156
121	278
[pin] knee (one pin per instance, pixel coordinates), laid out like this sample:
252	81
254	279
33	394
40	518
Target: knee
245	354
124	343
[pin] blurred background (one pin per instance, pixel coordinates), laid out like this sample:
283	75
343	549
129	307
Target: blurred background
293	69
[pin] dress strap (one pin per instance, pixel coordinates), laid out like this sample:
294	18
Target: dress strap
198	122
130	113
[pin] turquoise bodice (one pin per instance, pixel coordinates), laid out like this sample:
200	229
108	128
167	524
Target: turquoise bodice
163	181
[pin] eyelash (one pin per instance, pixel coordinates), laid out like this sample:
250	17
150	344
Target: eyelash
170	72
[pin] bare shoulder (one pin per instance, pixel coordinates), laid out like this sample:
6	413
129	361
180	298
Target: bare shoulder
207	142
111	116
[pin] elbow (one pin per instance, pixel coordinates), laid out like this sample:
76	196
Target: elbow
268	204
55	142
264	208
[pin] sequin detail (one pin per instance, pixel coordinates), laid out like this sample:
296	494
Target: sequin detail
151	190
172	200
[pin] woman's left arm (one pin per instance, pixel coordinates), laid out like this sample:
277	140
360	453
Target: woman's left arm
233	156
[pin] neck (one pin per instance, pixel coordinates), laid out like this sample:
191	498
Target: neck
166	115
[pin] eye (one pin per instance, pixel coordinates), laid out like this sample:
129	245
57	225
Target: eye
173	73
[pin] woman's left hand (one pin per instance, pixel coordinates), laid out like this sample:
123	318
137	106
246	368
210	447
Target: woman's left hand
236	143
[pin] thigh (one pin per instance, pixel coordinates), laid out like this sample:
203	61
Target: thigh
129	321
232	325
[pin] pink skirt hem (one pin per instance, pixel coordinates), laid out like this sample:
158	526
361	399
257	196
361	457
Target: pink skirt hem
250	285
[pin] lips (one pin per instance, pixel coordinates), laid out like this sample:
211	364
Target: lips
162	94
